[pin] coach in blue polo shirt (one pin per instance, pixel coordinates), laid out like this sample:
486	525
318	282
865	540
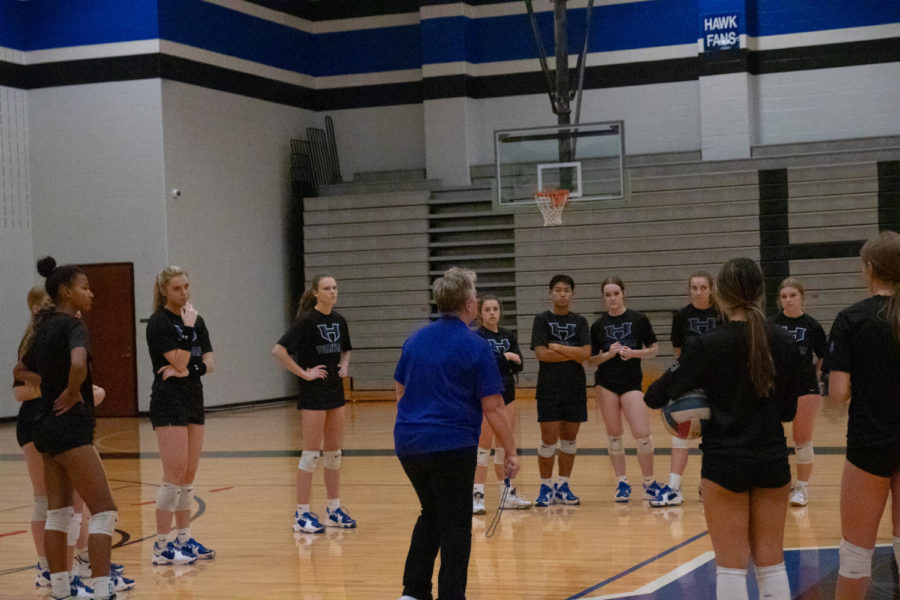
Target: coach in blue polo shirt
446	378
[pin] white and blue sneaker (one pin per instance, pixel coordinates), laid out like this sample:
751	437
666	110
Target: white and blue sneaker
339	518
78	589
121	583
82	567
667	497
652	491
170	555
196	548
545	496
623	492
563	495
41	576
307	523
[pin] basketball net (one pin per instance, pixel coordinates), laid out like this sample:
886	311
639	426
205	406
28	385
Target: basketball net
552	203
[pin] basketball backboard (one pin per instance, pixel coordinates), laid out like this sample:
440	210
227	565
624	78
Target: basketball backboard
587	159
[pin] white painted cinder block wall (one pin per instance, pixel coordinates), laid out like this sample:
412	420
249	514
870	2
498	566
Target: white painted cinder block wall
230	157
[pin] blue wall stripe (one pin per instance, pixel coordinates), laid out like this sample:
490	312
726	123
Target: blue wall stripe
64	23
778	17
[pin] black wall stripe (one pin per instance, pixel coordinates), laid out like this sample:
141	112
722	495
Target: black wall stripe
889	195
327	10
774	235
150	66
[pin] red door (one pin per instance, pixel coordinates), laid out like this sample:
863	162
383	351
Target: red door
111	324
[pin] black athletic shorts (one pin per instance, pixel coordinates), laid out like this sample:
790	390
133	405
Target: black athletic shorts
168	410
316	403
509	394
739	474
881	460
621	387
54	435
30	414
572	409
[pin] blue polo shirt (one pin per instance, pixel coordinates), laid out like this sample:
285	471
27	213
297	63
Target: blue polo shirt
445	369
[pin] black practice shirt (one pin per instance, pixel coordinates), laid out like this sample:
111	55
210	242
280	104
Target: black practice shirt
691	321
741	424
317	339
50	357
502	342
564	380
631	329
863	345
811	342
165	332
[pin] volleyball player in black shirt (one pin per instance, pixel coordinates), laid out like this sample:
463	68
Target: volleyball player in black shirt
697	318
505	346
58	361
561	341
317	350
181	353
619	339
811	341
750	370
864	355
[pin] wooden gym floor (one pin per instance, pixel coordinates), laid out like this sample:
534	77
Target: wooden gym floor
244	499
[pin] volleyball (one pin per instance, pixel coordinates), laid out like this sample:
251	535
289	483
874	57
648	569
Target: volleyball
685	416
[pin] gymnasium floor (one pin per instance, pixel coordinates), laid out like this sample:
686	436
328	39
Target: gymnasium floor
244	498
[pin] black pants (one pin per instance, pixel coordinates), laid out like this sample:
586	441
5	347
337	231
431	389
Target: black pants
443	481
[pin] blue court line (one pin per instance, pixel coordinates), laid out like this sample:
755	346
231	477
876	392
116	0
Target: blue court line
640	565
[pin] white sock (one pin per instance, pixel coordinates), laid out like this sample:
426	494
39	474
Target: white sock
82	554
42	563
334	504
162	539
623	479
103	587
478	487
773	582
302	508
183	535
648	481
562	480
547	482
59	584
731	584
803	485
675	481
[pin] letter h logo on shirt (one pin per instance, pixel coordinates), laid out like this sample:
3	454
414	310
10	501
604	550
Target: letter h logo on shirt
330	333
561	331
618	332
799	333
701	326
499	346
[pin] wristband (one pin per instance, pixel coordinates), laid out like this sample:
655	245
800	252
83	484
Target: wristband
199	368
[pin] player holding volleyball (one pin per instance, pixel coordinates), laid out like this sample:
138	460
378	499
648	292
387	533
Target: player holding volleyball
181	354
810	338
317	350
561	341
864	355
619	339
750	370
697	318
509	361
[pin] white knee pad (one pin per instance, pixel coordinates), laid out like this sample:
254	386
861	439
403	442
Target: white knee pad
483	457
805	453
58	519
74	529
546	451
499	456
645	445
568	446
104	523
185	498
731	583
39	509
856	562
331	459
615	444
773	582
678	442
308	460
167	497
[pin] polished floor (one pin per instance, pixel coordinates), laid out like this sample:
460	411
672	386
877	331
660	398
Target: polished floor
244	498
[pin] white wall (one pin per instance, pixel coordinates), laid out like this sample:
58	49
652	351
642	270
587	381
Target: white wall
230	157
384	138
17	268
828	104
661	117
97	186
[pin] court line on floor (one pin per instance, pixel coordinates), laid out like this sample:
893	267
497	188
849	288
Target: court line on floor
638	566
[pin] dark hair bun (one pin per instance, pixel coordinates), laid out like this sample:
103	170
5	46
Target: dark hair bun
46	265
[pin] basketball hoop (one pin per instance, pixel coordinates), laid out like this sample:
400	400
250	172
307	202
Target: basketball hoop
552	203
